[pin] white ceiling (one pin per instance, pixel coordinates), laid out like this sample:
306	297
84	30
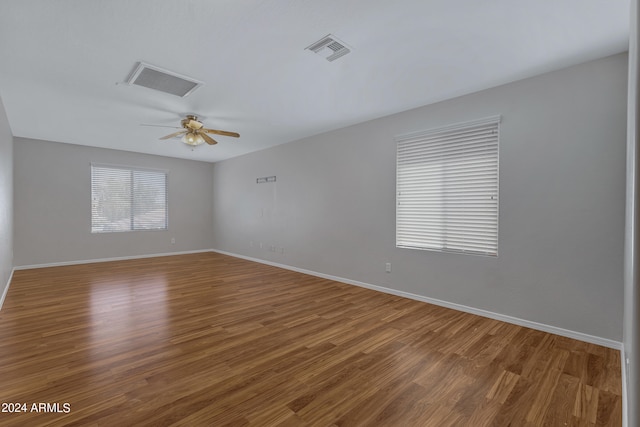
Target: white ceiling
63	63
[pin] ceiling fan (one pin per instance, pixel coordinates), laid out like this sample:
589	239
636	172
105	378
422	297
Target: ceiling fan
194	132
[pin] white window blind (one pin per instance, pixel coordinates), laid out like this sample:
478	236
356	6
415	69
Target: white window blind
447	188
124	199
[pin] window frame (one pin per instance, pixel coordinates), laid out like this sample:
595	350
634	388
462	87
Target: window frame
131	170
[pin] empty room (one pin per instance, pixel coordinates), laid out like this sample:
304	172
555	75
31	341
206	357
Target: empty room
336	213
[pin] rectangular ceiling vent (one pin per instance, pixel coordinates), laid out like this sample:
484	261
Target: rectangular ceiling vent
330	48
162	80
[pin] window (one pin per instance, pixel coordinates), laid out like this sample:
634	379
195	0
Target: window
447	188
125	199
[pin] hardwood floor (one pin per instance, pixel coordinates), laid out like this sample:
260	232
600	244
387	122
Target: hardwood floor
211	340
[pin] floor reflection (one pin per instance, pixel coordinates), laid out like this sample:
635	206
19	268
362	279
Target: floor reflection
123	309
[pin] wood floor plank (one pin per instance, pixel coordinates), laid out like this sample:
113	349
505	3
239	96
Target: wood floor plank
208	339
560	411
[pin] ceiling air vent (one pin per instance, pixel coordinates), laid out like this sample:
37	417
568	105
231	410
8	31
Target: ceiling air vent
330	48
165	81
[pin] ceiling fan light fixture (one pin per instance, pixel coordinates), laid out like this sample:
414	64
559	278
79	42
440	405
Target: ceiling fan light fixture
193	139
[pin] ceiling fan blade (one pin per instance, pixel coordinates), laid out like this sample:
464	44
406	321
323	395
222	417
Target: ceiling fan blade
207	138
173	135
160	126
221	132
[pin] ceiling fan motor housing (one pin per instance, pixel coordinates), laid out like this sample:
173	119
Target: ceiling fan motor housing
195	133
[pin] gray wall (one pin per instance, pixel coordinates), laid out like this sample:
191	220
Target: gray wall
53	201
632	227
6	200
562	188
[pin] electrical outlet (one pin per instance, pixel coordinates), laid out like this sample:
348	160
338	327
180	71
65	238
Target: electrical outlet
387	267
173	240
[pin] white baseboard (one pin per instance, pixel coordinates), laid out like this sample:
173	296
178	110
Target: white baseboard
625	384
91	261
484	313
6	288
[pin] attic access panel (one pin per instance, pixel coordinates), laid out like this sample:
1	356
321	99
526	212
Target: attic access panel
162	80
